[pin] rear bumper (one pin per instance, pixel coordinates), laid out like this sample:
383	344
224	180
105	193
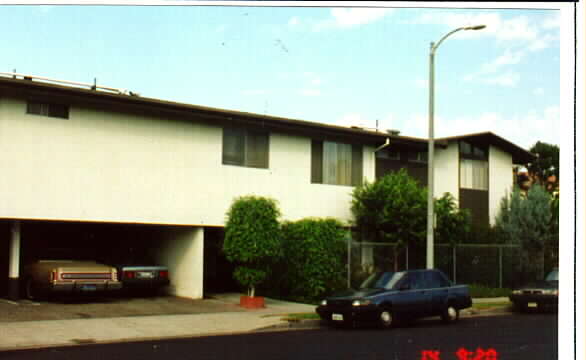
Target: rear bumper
84	287
145	283
540	299
369	313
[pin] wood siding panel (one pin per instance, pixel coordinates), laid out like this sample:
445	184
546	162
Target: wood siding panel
477	202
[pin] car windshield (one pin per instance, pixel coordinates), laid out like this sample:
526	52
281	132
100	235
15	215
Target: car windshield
552	276
382	280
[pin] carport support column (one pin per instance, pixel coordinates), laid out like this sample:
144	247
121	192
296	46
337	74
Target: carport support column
14	262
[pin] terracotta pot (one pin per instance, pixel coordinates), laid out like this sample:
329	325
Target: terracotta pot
248	302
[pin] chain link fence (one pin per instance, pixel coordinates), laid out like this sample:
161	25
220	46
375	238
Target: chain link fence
492	265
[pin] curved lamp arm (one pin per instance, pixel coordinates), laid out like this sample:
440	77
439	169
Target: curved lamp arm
434	46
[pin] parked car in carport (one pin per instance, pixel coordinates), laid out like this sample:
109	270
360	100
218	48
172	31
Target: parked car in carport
55	275
388	297
138	272
541	295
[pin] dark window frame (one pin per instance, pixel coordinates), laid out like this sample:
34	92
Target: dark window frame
317	163
420	157
472	151
52	110
250	147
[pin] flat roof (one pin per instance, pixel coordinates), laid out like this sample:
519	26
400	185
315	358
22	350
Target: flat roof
145	105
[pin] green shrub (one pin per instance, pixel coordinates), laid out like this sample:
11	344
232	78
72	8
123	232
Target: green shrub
314	251
253	239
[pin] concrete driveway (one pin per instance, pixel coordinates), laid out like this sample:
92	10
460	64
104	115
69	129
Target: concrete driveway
112	306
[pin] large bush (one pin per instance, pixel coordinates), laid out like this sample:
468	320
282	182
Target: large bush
391	209
252	239
315	251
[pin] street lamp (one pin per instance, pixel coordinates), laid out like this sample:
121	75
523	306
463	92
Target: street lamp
430	213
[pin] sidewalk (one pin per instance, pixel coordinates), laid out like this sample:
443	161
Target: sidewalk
49	333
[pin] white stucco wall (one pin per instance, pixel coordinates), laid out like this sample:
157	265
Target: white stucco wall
500	173
181	250
115	167
446	171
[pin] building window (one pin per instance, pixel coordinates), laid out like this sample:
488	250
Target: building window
45	109
336	163
419	157
388	154
470	151
473	174
245	148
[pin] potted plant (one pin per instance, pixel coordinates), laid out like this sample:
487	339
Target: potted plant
253	242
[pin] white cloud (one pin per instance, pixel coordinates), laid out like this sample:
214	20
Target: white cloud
508	58
543	42
316	81
310	92
421	83
552	22
293	21
523	130
538	92
348	17
254	92
517	28
45	8
508	79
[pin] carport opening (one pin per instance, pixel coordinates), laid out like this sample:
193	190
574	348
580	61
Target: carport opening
101	242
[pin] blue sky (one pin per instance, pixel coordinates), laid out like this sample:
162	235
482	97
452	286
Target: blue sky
345	66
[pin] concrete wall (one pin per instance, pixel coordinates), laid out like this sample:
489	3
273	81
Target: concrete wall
181	249
500	173
116	167
446	172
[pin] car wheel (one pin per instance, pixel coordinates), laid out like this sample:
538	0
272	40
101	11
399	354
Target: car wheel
386	318
450	314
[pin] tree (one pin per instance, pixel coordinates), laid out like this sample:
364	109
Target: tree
545	169
314	261
391	209
526	220
453	224
253	239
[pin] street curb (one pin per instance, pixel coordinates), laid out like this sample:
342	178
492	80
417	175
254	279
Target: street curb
317	324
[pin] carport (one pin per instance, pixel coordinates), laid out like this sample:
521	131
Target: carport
178	247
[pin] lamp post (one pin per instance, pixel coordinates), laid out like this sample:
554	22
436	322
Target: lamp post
430	212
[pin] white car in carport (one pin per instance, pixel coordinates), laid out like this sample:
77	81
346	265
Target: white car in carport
46	277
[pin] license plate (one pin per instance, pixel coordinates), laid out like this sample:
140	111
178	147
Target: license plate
532	305
88	288
337	317
145	274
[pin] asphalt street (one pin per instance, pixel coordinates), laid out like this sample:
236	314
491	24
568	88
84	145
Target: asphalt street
518	336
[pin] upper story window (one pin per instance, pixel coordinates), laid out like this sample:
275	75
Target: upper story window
336	163
473	174
46	109
245	147
471	151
